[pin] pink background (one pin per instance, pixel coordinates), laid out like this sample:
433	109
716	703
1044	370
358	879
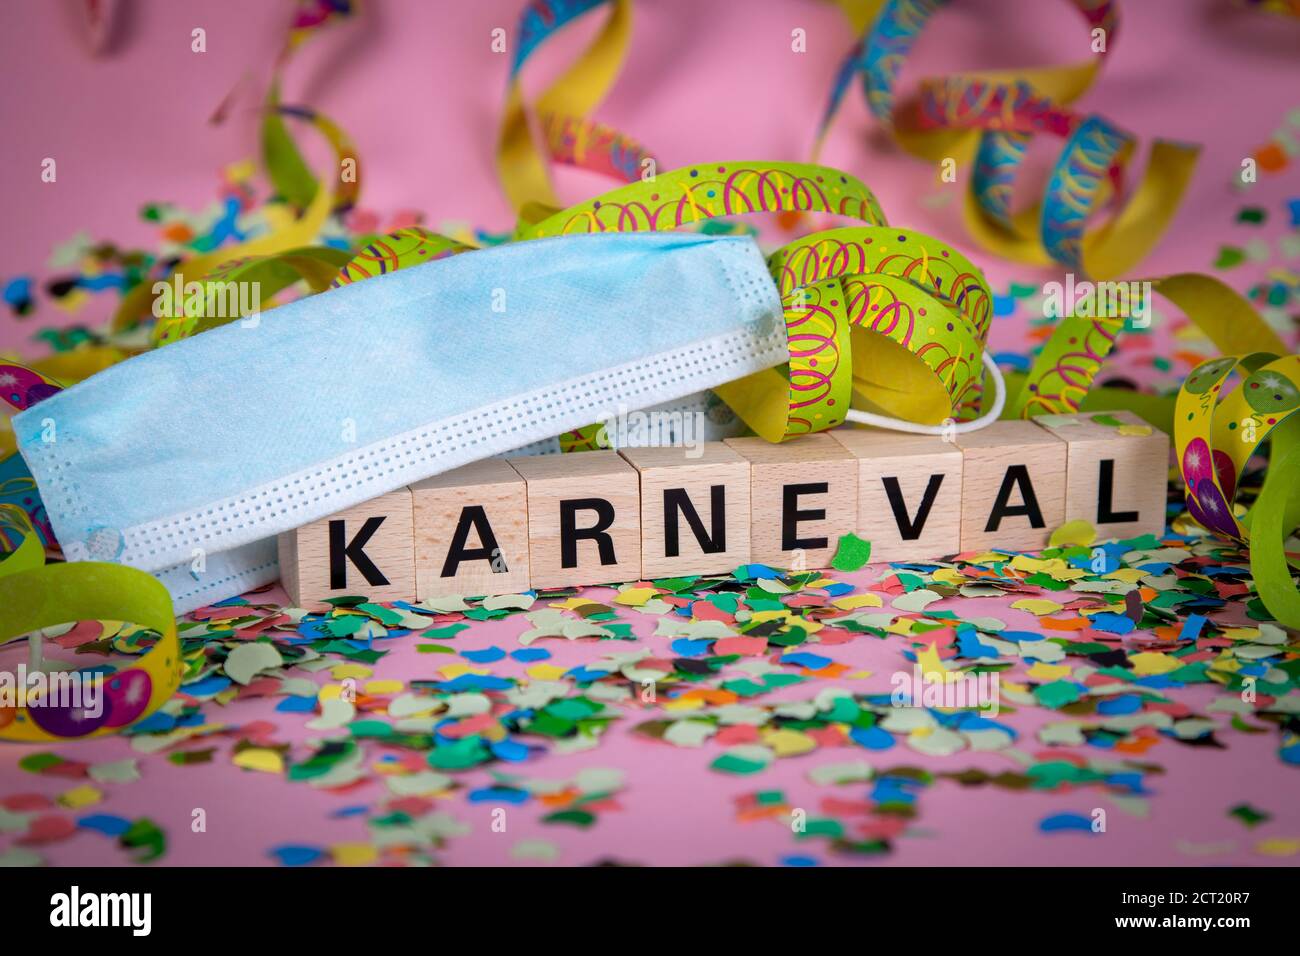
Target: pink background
418	89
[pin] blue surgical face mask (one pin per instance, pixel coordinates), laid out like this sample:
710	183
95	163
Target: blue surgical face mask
187	461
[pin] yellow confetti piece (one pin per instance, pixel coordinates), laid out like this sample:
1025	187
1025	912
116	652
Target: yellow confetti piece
259	758
452	671
382	687
341	671
1073	532
1127	575
354	854
571	604
1149	664
932	666
545	672
683	703
949	576
852	602
1037	606
901	626
859	675
1138	430
1048	672
635	597
82	796
1278	846
789	743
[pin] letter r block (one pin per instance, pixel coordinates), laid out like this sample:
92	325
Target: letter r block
367	549
1116	465
584	518
1013	487
694	509
471	531
909	493
803	497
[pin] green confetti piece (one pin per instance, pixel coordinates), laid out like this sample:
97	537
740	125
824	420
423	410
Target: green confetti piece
853	552
730	763
1057	694
434	649
1248	815
37	763
577	818
1228	257
444	633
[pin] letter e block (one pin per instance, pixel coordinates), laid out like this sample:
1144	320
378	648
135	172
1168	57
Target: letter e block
694	510
471	531
584	518
1115	481
367	549
909	493
803	497
1013	487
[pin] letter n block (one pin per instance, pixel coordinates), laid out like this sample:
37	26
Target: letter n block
367	549
584	518
909	493
694	509
1013	487
471	531
1114	479
803	497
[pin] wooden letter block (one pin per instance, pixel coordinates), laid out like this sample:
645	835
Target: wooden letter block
471	531
694	510
803	497
909	493
1113	480
584	518
367	549
1013	487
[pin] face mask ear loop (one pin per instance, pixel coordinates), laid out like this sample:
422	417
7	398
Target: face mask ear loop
988	418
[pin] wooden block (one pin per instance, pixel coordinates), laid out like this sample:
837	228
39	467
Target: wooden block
584	518
1112	480
694	509
366	549
803	497
909	493
1013	487
471	531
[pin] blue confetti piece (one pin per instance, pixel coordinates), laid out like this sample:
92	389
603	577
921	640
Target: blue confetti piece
1066	821
296	705
357	810
873	738
798	861
290	855
1293	207
894	790
17	291
838	589
468	682
105	823
1112	623
1290	753
499	795
1012	360
814	662
156	723
585	675
511	751
691	647
760	571
1129	780
207	686
970	645
487	655
527	655
1003	305
1119	705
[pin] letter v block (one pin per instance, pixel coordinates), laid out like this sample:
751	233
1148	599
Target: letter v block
584	518
367	549
1013	487
694	509
803	497
909	493
471	531
1115	479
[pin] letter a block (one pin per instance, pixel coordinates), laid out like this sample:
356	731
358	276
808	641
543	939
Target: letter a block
1013	487
803	497
694	510
1114	479
584	518
909	493
367	549
471	531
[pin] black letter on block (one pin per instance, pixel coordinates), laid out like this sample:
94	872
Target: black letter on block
1105	494
342	551
791	515
472	516
908	529
675	500
1016	475
570	534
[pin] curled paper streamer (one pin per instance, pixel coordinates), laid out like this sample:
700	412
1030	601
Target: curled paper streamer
983	123
34	596
1215	435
